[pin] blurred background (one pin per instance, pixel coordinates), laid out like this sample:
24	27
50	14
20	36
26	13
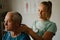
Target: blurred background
28	9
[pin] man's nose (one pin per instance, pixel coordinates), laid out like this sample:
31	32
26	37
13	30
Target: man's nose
40	12
5	23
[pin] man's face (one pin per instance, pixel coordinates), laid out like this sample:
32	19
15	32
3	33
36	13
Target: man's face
8	22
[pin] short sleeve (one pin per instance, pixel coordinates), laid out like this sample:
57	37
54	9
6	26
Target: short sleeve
52	28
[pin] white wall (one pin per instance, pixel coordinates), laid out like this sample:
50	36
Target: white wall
55	17
31	15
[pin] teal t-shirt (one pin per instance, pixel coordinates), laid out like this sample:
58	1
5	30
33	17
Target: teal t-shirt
40	27
22	36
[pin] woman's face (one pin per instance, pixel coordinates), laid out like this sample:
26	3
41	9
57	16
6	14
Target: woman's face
43	12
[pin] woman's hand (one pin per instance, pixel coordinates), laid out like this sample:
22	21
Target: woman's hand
25	28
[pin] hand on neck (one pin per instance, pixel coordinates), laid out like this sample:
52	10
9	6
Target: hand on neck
16	32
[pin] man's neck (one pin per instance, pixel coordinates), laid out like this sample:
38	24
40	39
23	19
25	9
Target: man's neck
15	33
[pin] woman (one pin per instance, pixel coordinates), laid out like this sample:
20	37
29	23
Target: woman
43	29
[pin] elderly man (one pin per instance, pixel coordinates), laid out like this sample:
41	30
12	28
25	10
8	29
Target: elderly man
12	26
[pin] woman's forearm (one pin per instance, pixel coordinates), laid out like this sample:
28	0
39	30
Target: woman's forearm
34	35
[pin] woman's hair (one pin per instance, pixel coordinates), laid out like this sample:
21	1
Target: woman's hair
48	4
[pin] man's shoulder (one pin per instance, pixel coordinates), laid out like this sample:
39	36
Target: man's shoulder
25	36
6	35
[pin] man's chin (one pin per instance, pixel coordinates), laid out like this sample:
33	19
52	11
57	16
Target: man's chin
7	30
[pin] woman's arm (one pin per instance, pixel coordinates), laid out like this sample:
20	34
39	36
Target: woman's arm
47	35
